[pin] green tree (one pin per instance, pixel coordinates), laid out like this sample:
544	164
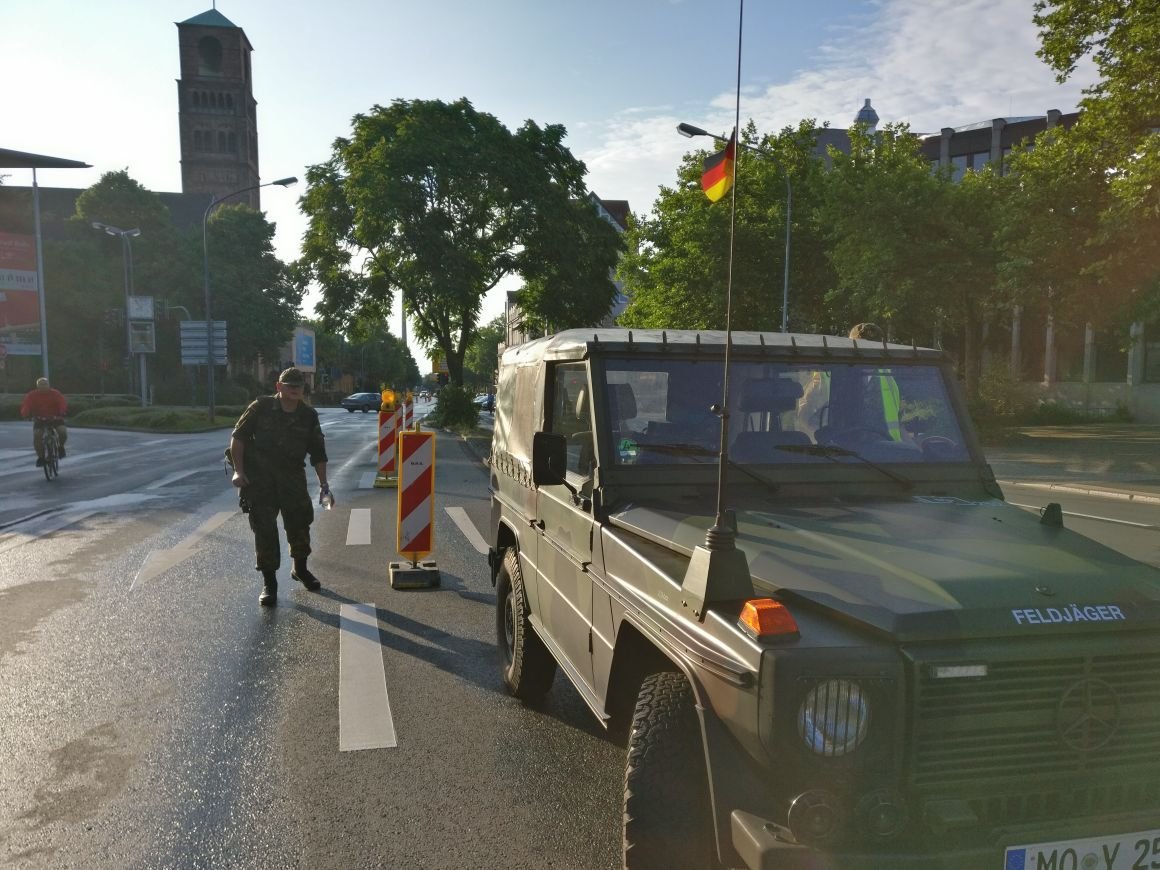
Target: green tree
86	272
912	250
438	202
371	355
888	240
676	268
253	291
482	360
1115	138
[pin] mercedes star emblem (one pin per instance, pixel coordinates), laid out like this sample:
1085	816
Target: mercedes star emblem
1088	715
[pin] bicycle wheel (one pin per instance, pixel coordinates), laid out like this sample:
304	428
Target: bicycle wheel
51	465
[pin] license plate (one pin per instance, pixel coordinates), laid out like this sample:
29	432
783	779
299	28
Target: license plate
1139	851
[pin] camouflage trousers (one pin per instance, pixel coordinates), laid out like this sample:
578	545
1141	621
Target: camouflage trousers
285	494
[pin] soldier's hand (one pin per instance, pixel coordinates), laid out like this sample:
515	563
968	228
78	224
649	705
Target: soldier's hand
239	479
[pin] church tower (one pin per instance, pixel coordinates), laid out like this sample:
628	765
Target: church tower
217	113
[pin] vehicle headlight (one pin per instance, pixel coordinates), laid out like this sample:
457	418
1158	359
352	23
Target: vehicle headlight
834	717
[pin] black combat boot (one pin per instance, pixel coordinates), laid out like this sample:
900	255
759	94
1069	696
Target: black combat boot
269	589
302	574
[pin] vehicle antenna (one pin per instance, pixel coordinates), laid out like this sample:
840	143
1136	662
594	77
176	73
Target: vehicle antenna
718	570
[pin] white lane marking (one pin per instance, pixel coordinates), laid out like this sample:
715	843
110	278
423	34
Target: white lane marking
1038	507
154	441
210	525
42	528
158	562
358	530
364	710
460	518
367	481
178	475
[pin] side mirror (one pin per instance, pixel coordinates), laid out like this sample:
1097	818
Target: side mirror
549	458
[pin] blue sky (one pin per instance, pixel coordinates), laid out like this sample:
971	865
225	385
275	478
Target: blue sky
95	81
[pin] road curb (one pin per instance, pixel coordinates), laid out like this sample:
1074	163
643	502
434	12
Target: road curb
1118	494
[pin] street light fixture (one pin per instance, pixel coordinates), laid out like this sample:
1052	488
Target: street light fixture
127	263
689	131
281	182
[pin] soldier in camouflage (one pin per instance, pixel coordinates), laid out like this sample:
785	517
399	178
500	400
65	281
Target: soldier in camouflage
269	444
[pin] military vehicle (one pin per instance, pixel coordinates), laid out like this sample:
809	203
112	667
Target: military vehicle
858	655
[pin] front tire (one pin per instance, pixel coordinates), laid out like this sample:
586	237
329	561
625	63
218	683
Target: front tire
351	410
528	667
666	790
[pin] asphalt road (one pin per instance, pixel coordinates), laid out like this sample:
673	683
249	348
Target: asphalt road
151	715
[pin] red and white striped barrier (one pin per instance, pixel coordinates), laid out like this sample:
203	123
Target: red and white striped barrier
416	516
389	424
409	414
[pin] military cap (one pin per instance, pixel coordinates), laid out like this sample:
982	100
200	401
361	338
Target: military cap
292	377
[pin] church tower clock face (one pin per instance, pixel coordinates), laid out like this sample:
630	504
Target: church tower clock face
217	113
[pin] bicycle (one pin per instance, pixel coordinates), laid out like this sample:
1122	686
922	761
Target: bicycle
51	447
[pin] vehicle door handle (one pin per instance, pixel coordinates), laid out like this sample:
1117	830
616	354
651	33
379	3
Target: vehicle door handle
539	524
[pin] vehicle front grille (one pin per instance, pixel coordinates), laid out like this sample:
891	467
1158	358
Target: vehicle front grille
1089	719
1050	806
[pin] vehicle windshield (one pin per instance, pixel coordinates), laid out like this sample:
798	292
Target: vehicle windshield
781	413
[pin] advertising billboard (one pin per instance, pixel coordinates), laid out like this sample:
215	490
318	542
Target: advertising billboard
19	295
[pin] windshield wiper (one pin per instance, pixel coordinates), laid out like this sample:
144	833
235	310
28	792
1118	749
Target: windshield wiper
831	452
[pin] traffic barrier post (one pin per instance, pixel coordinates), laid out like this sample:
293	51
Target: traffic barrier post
389	425
415	519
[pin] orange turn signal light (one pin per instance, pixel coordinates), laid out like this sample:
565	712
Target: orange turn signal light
764	617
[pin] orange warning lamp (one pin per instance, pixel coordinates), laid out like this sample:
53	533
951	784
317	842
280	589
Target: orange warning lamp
764	617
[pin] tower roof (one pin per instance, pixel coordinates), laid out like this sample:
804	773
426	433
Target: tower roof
210	18
866	115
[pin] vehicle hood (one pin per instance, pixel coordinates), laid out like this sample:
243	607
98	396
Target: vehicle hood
928	567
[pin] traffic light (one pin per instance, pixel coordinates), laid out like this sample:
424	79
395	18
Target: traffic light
442	379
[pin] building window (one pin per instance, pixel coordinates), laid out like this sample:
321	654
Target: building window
979	159
233	142
230	102
958	167
197	140
209	56
222	141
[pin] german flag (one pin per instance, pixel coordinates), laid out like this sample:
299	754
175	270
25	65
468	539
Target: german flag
717	177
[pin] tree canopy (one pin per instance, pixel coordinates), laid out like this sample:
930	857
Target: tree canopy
676	268
438	202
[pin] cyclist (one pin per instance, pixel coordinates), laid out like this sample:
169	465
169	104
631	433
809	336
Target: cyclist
46	406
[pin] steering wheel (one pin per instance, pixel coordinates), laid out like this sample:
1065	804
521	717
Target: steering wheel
939	445
854	435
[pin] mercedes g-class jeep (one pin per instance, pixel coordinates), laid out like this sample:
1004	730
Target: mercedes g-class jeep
910	673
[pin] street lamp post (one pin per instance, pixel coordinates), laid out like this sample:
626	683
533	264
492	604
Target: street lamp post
689	131
127	264
281	182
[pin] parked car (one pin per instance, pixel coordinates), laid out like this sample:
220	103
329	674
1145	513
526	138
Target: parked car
362	402
858	654
486	402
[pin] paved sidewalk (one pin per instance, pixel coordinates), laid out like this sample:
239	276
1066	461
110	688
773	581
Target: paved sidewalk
1112	457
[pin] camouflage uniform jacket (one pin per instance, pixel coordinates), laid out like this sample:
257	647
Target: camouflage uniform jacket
277	443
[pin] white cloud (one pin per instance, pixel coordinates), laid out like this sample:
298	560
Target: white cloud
930	63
